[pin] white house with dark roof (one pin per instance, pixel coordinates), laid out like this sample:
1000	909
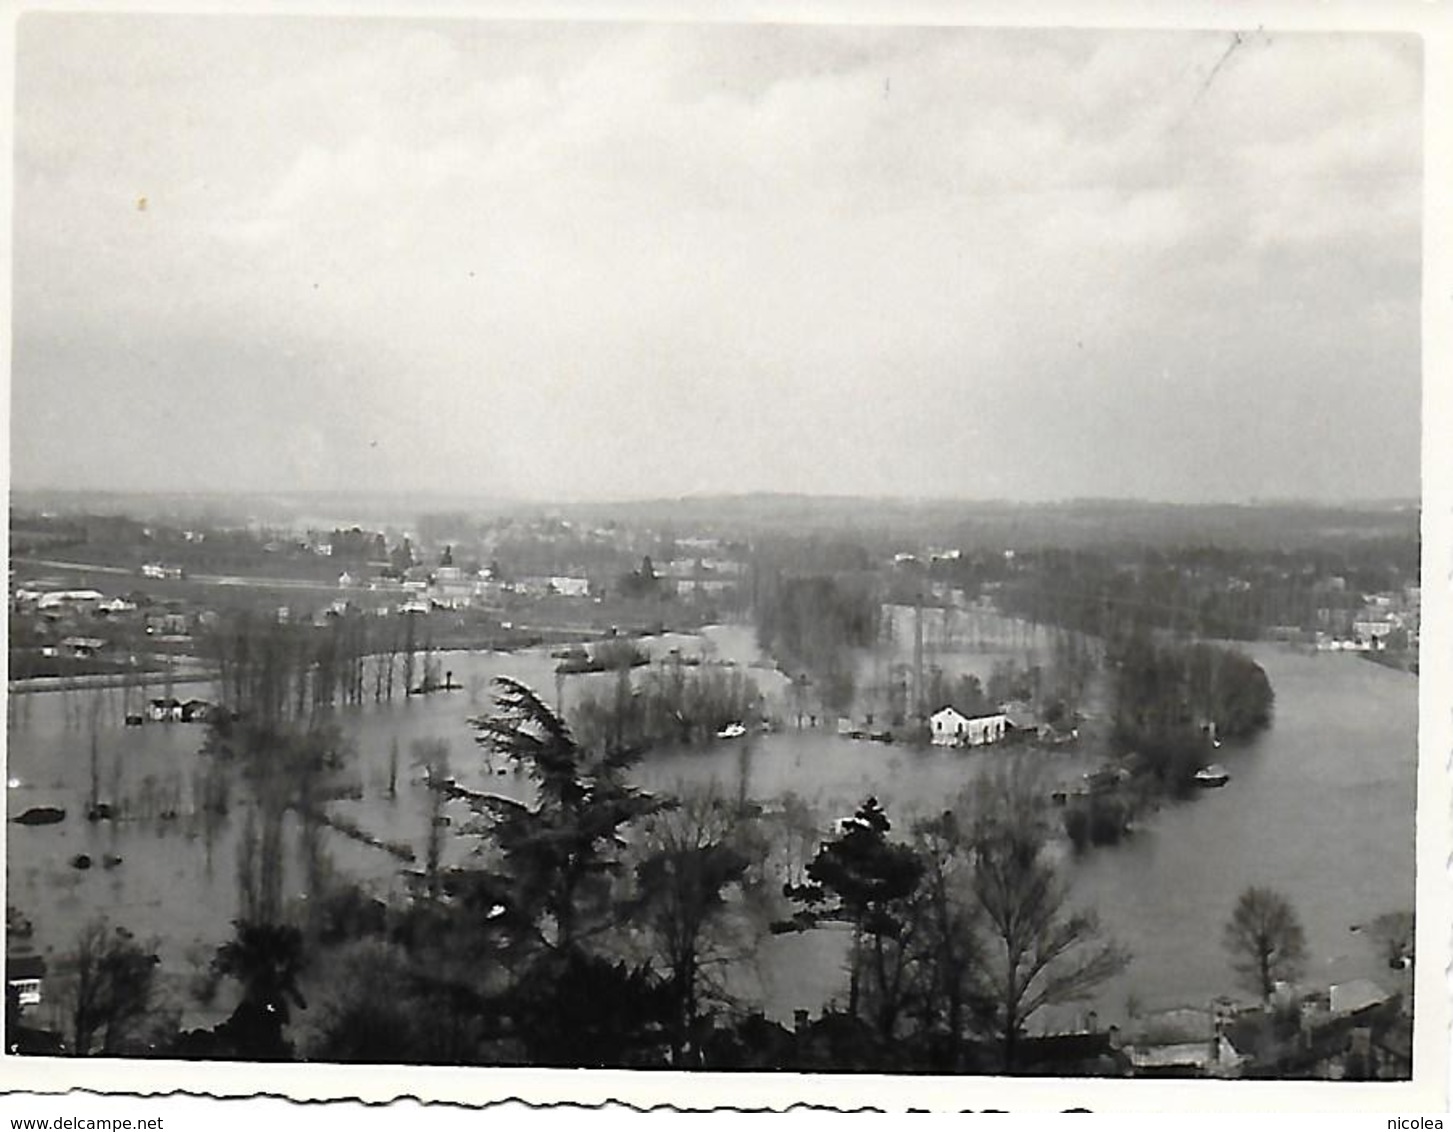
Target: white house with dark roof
949	727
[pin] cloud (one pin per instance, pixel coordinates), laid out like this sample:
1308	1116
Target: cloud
742	257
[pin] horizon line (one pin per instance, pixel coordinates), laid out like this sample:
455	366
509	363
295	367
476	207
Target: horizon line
394	494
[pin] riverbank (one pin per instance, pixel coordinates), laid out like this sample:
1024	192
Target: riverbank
520	639
108	680
1397	661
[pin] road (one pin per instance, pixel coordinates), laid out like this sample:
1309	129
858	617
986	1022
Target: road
204	579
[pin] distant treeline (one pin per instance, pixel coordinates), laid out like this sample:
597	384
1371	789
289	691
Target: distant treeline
1196	591
1173	700
1172	704
668	704
282	670
898	524
811	625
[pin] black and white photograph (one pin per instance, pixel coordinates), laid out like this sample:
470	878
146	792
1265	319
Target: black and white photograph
744	555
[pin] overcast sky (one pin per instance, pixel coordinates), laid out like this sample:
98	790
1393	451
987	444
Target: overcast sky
586	261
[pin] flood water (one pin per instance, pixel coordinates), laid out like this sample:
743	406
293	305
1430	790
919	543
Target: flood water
1321	807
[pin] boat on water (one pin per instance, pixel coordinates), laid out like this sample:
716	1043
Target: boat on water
732	731
1213	775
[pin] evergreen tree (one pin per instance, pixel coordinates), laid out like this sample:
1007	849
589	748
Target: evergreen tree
868	881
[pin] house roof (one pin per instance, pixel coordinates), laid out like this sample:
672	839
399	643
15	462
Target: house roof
55	597
1176	1025
1359	994
32	1041
24	967
1194	1055
966	717
1067	1048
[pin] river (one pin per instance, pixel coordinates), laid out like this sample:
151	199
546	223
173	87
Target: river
1320	806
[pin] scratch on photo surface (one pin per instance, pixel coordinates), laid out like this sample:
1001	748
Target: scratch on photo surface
1237	40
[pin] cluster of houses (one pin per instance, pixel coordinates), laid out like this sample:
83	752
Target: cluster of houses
707	576
1355	1029
1384	622
86	624
424	589
171	710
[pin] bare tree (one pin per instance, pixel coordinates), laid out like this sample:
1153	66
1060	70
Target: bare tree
949	951
1394	935
432	757
1266	941
110	995
684	880
1038	951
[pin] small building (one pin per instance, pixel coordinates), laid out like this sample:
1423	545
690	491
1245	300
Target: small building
157	570
1373	633
1211	1057
454	591
164	710
167	622
24	974
82	647
567	586
70	599
1084	1053
1184	1042
950	727
196	711
1055	734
